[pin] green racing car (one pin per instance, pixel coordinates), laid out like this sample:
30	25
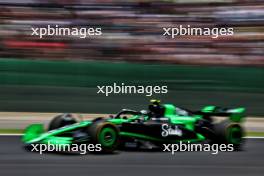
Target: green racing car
160	124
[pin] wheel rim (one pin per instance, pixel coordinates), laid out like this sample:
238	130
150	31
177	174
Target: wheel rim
107	137
235	135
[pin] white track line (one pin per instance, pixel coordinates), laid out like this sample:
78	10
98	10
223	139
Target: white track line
254	137
14	134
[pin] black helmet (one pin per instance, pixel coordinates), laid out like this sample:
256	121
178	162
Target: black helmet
155	108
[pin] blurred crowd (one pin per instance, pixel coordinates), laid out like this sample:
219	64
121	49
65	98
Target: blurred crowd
132	30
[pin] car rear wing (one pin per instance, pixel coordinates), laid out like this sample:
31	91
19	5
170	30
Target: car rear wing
234	114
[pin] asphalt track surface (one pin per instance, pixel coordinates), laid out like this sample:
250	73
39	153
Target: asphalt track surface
14	160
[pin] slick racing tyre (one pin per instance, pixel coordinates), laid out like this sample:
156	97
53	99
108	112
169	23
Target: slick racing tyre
227	132
61	121
106	134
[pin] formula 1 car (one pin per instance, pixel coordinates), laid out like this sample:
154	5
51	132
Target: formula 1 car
161	124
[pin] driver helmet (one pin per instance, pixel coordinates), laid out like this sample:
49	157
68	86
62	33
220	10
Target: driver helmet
156	108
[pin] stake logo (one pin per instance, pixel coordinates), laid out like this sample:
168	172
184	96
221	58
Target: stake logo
168	130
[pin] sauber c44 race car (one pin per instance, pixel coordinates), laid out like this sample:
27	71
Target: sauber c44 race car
161	124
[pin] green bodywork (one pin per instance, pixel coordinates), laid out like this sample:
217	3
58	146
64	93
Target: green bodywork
235	115
36	134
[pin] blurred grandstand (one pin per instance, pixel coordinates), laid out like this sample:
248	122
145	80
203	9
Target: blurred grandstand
132	30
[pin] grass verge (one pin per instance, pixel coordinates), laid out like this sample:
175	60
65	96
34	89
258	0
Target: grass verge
11	131
254	133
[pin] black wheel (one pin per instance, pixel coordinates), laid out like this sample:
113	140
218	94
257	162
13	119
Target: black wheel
227	132
106	134
61	121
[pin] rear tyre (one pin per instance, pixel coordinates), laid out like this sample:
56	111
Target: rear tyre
61	121
106	134
227	132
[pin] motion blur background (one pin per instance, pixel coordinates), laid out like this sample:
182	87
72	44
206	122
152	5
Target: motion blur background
60	73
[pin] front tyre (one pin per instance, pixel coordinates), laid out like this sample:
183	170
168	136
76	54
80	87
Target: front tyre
106	134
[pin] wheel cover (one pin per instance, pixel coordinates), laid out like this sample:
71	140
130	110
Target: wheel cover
235	135
107	137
